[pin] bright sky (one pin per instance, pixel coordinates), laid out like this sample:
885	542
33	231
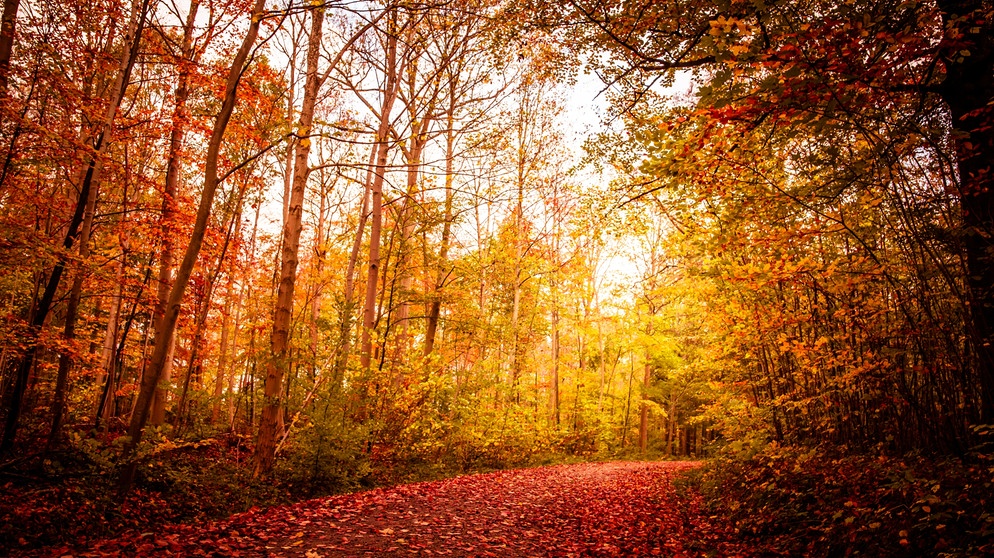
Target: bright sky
586	108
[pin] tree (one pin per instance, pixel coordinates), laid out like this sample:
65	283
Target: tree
8	24
871	76
275	369
90	179
211	181
180	118
388	96
266	445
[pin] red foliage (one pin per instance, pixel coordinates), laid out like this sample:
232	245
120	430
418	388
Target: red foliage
812	503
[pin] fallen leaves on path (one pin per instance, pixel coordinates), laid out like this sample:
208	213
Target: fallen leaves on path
595	509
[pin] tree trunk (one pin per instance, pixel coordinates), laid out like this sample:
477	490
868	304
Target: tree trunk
555	364
644	417
222	359
69	329
348	304
628	400
160	398
276	364
231	375
233	228
166	221
316	290
108	360
7	28
420	125
603	360
443	251
968	90
671	427
376	193
407	233
159	353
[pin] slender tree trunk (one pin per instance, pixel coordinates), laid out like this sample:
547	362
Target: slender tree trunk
277	363
644	416
167	220
108	361
291	146
160	398
222	360
555	365
195	363
69	329
118	356
519	221
443	251
376	193
555	324
406	278
348	305
159	353
243	381
515	319
316	290
7	28
602	368
628	400
672	426
233	360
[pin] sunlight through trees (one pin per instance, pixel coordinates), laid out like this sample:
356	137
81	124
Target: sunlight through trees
366	241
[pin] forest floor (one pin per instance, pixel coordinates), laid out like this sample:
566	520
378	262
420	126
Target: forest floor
593	509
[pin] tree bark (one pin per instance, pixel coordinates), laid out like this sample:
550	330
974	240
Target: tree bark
348	304
435	310
644	414
222	359
159	353
420	125
376	193
968	90
276	365
108	360
320	253
8	25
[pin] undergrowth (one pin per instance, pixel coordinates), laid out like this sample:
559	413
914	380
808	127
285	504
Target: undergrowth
793	501
68	497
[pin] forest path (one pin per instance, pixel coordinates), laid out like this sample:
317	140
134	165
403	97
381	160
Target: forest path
593	509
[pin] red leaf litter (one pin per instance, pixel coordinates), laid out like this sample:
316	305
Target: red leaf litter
594	509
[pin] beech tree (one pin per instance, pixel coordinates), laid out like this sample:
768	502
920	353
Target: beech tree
265	449
169	194
388	96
